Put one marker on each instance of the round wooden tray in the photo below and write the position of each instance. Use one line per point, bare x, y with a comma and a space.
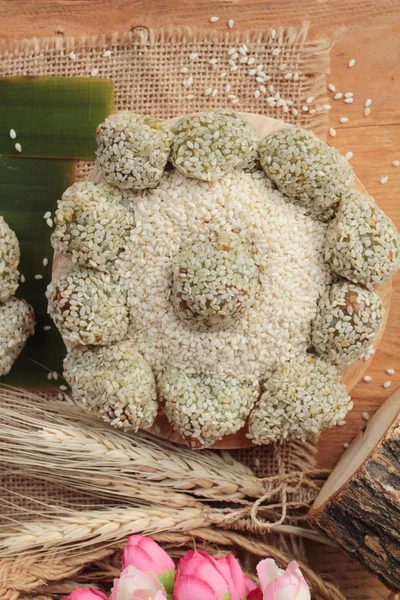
351, 375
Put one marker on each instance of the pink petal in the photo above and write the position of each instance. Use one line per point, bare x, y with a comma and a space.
231, 570
193, 588
267, 571
159, 596
249, 585
204, 567
161, 561
139, 558
86, 594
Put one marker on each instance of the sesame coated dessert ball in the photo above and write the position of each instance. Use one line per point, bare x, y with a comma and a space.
213, 284
204, 408
210, 144
9, 260
348, 320
304, 168
304, 396
133, 150
91, 228
362, 243
114, 382
88, 307
17, 323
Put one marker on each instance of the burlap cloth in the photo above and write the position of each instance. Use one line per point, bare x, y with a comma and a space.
146, 68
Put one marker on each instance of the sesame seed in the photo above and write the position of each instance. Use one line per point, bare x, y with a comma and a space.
47, 328
304, 108
348, 95
22, 278
332, 132
234, 68
396, 163
107, 53
367, 378
276, 52
223, 74
12, 134
189, 96
184, 69
213, 61
63, 388
49, 222
338, 96
368, 102
228, 87
349, 100
214, 19
208, 91
38, 276
45, 262
273, 34
341, 423
309, 99
352, 62
390, 371
215, 92
384, 180
18, 147
188, 82
94, 72
47, 215
288, 75
348, 155
387, 384
367, 111
49, 375
60, 396
235, 101
193, 55
365, 416
346, 445
331, 87
55, 375
326, 107
72, 55
343, 120
231, 23
257, 94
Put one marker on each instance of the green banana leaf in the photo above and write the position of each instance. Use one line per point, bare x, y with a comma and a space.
53, 117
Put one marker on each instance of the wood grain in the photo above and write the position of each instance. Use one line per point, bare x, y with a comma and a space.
373, 39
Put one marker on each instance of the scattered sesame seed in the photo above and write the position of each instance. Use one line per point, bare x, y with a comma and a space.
367, 378
47, 215
49, 222
365, 416
348, 95
215, 92
18, 147
276, 52
343, 120
45, 262
251, 61
228, 87
352, 62
94, 72
273, 34
387, 384
49, 375
22, 278
193, 56
214, 19
326, 107
384, 179
107, 53
257, 94
288, 75
208, 91
338, 96
396, 163
72, 55
188, 82
341, 423
368, 102
184, 70
231, 23
304, 108
367, 112
349, 100
332, 132
331, 87
223, 74
213, 61
12, 134
348, 155
235, 101
55, 375
189, 96
309, 99
60, 396
38, 276
63, 388
47, 328
346, 445
233, 68
390, 371
235, 56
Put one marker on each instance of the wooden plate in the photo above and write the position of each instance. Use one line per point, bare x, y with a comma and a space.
351, 375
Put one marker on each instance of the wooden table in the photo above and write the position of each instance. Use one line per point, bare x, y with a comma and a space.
372, 38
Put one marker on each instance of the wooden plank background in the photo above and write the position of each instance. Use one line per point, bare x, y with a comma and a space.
372, 38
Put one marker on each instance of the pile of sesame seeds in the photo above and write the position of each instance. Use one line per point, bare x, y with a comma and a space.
17, 323
9, 260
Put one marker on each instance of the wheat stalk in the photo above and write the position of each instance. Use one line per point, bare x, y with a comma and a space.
58, 441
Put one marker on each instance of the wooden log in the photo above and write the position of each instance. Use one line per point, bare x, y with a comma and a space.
359, 506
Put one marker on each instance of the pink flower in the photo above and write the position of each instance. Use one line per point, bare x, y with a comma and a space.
135, 585
277, 584
86, 594
199, 577
146, 555
239, 584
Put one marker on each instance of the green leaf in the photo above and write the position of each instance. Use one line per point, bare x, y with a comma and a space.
168, 579
53, 116
28, 189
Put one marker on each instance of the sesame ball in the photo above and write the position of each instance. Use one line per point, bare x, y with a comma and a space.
133, 150
304, 396
91, 228
115, 382
304, 168
88, 307
213, 284
9, 260
210, 144
17, 323
348, 319
362, 243
204, 408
